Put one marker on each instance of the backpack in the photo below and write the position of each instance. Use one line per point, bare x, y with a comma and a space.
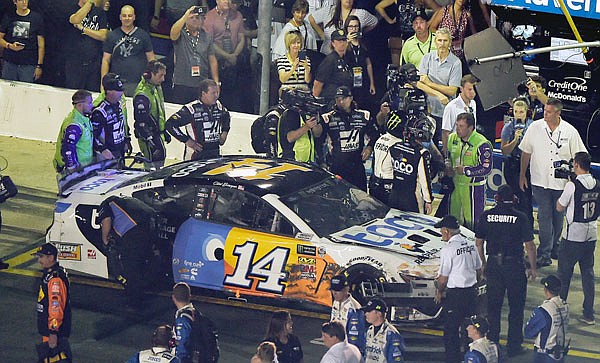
204, 339
263, 131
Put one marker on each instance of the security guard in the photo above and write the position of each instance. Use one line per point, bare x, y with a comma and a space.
548, 324
481, 350
460, 268
384, 343
162, 348
506, 229
347, 127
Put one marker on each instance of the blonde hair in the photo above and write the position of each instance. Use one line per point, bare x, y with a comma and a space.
291, 37
266, 351
443, 31
520, 104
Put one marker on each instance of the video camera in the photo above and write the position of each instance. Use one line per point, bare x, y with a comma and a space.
397, 77
563, 169
303, 102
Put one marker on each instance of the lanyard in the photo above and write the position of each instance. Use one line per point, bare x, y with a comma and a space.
428, 39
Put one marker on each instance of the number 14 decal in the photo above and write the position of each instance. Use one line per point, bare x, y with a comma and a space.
270, 269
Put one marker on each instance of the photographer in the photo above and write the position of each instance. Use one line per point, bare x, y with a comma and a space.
399, 82
547, 142
512, 134
347, 126
580, 199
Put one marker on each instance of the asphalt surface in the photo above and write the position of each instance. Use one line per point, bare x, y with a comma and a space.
104, 332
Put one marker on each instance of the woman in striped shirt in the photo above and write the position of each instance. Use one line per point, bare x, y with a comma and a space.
294, 68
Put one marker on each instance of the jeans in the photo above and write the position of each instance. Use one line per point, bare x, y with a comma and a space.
569, 254
550, 221
18, 72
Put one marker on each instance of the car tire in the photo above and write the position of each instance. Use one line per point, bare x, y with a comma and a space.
360, 273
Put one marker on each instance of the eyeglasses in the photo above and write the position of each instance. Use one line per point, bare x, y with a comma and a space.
353, 26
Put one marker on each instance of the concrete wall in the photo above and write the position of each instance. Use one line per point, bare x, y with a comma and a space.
35, 112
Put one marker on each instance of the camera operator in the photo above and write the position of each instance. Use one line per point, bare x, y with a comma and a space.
347, 127
550, 140
411, 190
298, 127
399, 82
580, 199
512, 134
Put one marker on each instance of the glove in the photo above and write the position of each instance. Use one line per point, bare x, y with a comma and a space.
166, 136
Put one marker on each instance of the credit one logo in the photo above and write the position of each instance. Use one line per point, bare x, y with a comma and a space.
569, 89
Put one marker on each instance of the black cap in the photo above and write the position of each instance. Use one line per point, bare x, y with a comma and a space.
47, 249
506, 193
419, 13
448, 221
375, 304
112, 82
552, 283
339, 34
343, 91
480, 323
338, 282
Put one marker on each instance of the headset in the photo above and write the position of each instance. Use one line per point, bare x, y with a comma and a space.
161, 334
153, 66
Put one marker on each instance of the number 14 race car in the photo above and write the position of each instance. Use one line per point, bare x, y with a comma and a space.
261, 227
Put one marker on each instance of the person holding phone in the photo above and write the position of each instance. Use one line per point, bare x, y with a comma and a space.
22, 36
362, 70
294, 68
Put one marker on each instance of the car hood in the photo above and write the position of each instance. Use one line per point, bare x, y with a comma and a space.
103, 181
400, 232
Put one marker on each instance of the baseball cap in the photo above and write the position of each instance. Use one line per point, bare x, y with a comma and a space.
112, 82
339, 34
47, 249
375, 304
480, 323
338, 282
419, 13
552, 283
448, 221
343, 91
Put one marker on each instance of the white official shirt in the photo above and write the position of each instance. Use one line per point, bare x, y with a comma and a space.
459, 260
578, 231
455, 108
342, 352
547, 147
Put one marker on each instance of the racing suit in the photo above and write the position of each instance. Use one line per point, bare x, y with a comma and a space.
483, 350
412, 178
184, 318
149, 125
468, 198
380, 183
548, 325
111, 131
74, 143
347, 132
154, 355
54, 307
384, 345
340, 309
204, 124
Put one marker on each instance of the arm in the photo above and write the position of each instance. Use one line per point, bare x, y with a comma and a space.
99, 34
432, 92
179, 24
40, 59
525, 158
380, 8
484, 162
105, 66
316, 27
150, 56
69, 146
368, 21
106, 225
442, 282
285, 76
308, 125
508, 147
445, 134
449, 91
531, 258
436, 20
536, 323
307, 75
425, 177
56, 308
183, 333
372, 89
479, 243
317, 88
240, 46
214, 67
79, 15
156, 17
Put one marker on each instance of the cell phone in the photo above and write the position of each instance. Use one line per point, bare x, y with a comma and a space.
302, 55
359, 35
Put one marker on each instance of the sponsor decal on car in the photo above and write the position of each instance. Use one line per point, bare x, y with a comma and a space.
306, 250
69, 251
91, 254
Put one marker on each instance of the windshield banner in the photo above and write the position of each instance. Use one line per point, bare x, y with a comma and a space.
577, 8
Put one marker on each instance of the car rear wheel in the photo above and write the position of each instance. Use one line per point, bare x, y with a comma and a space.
365, 282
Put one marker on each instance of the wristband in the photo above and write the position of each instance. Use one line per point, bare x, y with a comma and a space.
38, 66
155, 17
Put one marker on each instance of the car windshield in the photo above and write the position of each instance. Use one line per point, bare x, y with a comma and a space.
334, 205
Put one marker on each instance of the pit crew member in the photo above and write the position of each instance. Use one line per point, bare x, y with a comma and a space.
381, 182
346, 310
384, 343
481, 350
161, 352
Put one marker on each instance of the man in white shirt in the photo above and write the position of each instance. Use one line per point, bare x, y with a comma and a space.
546, 143
334, 338
465, 102
580, 199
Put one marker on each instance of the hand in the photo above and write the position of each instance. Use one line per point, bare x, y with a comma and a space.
533, 90
459, 169
312, 122
154, 23
438, 297
352, 36
52, 341
444, 100
425, 80
107, 155
384, 108
16, 47
232, 59
428, 208
523, 182
532, 274
366, 153
372, 89
518, 134
194, 145
37, 73
391, 21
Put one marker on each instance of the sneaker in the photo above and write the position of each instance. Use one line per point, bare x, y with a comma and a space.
544, 261
589, 321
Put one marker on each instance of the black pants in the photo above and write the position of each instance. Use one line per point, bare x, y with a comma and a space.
569, 254
82, 75
136, 252
506, 276
353, 173
459, 304
511, 174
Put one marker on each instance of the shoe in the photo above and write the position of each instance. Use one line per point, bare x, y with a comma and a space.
544, 261
513, 352
584, 319
554, 256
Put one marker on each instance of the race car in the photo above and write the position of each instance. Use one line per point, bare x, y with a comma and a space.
254, 226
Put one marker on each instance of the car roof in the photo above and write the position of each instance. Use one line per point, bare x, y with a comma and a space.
255, 174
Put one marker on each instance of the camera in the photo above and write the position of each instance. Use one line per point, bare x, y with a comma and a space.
302, 55
563, 169
303, 102
8, 189
398, 76
199, 10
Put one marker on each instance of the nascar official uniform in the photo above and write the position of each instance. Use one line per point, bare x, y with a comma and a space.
384, 344
347, 132
204, 124
412, 179
149, 125
505, 229
468, 198
110, 127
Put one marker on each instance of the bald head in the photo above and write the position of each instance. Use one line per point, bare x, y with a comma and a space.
127, 16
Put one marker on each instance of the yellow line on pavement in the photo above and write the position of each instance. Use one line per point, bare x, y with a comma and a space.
22, 258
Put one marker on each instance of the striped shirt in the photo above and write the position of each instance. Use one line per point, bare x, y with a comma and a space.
298, 77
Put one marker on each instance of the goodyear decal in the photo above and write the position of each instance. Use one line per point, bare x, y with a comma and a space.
69, 251
255, 169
